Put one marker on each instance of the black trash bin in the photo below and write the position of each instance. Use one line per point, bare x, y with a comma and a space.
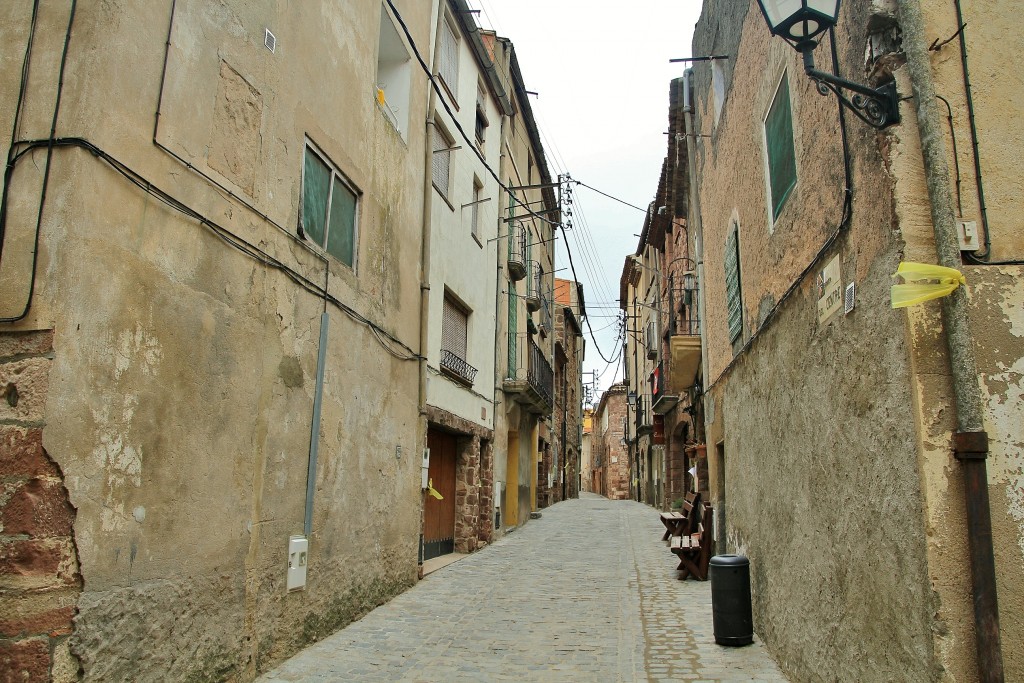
730, 600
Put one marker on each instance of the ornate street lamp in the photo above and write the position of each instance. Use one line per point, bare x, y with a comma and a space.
799, 22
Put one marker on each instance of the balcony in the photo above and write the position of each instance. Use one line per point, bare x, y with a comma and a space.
662, 399
684, 351
457, 368
644, 416
516, 251
534, 282
545, 315
529, 377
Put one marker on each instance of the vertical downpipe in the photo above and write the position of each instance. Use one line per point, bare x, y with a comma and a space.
314, 430
970, 442
428, 188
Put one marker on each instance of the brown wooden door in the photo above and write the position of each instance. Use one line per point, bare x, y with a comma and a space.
439, 515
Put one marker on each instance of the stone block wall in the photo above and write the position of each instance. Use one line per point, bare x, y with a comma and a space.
39, 578
614, 458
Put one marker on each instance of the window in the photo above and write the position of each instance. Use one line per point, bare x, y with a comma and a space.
481, 116
733, 286
393, 74
442, 160
454, 341
329, 208
478, 190
448, 66
718, 86
778, 136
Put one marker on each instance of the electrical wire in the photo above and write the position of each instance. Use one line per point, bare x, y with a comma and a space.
385, 338
12, 161
620, 201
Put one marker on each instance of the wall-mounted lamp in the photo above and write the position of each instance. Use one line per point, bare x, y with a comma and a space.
799, 22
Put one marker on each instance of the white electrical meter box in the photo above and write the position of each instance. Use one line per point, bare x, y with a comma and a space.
425, 470
298, 554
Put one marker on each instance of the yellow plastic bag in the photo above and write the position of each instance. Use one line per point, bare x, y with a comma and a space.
432, 491
923, 282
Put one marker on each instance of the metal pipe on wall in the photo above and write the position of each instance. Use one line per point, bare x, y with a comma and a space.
970, 443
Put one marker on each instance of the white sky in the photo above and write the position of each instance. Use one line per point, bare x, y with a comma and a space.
602, 73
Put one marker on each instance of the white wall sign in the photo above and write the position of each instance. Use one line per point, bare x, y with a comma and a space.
830, 290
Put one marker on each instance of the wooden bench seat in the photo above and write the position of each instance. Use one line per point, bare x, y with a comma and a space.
683, 521
694, 550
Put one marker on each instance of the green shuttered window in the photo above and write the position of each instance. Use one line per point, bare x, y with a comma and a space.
733, 289
778, 135
329, 208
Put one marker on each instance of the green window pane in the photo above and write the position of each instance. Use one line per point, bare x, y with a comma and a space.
342, 230
778, 131
316, 182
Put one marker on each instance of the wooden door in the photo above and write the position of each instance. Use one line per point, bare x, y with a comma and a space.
512, 482
439, 515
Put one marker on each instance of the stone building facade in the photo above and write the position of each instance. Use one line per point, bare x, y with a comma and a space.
608, 444
830, 415
560, 470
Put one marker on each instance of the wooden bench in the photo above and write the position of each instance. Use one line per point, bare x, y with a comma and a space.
694, 549
682, 522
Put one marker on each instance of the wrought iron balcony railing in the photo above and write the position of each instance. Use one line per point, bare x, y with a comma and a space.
534, 281
516, 251
529, 374
457, 367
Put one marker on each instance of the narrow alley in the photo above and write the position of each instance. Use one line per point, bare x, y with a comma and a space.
586, 593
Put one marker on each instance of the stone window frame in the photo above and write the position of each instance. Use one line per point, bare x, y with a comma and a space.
336, 178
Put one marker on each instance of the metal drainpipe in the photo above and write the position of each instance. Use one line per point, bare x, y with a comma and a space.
698, 230
499, 376
428, 187
970, 443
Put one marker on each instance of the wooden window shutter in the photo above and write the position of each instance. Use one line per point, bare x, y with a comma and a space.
778, 135
454, 326
449, 66
441, 161
733, 290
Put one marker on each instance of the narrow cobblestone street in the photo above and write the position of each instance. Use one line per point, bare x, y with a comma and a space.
586, 593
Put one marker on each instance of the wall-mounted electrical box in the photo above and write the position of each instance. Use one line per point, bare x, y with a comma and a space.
425, 470
967, 233
298, 556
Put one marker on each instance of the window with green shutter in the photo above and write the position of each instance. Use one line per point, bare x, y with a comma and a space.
778, 137
733, 287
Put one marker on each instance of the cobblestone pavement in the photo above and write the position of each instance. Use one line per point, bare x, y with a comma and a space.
586, 593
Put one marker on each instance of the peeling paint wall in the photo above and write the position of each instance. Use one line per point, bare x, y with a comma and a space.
181, 390
995, 295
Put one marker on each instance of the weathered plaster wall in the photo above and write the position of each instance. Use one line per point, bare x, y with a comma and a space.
812, 430
182, 383
995, 312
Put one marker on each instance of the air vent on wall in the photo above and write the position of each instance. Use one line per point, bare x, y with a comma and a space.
849, 298
270, 40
